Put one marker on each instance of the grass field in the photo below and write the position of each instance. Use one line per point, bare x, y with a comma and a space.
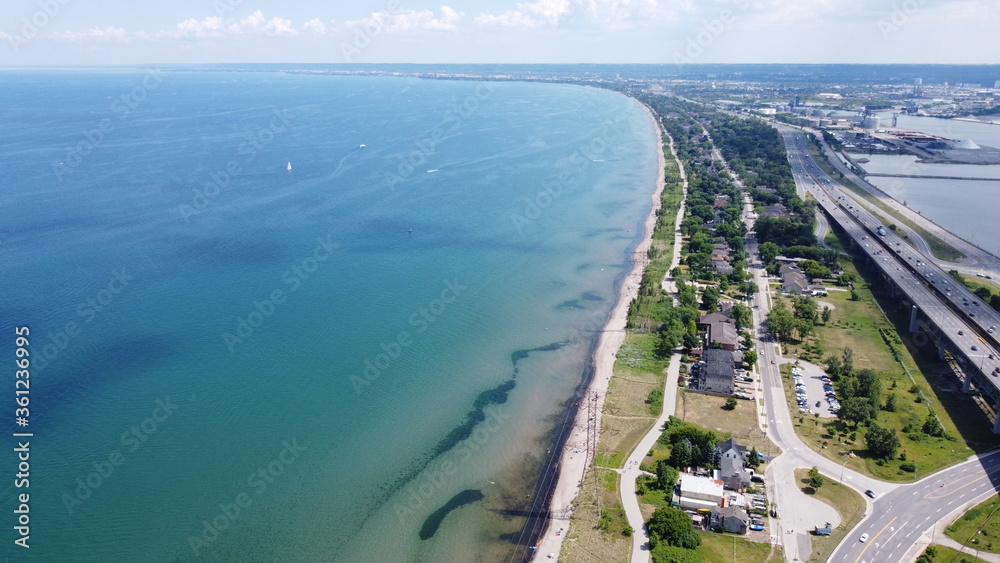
948, 555
921, 382
740, 423
979, 528
728, 547
846, 501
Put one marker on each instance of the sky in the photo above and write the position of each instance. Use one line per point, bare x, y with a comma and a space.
107, 32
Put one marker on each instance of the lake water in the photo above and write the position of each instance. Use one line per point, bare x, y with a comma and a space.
237, 362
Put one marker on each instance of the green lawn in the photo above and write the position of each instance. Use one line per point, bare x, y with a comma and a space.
949, 555
720, 547
933, 388
979, 528
846, 501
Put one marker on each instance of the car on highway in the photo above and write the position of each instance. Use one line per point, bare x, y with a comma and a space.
870, 493
975, 348
961, 333
863, 538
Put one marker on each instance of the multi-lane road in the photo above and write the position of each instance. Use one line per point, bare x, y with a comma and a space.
900, 514
962, 319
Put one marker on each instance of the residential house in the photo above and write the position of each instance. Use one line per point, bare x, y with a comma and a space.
718, 371
731, 519
793, 279
721, 329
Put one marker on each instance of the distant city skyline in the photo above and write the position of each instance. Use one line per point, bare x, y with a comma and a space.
66, 32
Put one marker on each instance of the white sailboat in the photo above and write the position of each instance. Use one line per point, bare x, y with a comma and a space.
289, 167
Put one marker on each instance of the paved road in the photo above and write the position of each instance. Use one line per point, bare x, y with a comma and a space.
924, 283
901, 516
977, 258
640, 536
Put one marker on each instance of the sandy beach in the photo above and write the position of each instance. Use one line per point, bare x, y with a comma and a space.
573, 465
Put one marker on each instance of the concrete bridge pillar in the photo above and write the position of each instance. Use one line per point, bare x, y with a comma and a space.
996, 425
967, 385
940, 350
914, 324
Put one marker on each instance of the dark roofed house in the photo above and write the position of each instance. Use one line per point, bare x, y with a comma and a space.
717, 375
734, 475
722, 267
731, 519
793, 280
776, 210
731, 449
721, 328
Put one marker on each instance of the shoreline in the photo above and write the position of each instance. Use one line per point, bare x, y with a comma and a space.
573, 467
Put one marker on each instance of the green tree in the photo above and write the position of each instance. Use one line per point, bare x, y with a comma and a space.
768, 252
710, 299
855, 409
890, 403
741, 314
855, 296
834, 366
848, 362
673, 527
680, 454
805, 308
730, 404
748, 288
753, 458
932, 426
750, 358
666, 475
881, 442
781, 322
815, 479
826, 314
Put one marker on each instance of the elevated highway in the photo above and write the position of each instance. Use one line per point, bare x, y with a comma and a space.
957, 320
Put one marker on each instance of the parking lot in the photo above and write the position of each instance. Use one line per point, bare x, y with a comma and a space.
814, 390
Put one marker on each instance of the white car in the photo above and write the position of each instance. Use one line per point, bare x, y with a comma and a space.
864, 538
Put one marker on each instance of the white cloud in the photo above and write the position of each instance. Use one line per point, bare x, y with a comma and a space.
107, 34
210, 27
532, 14
409, 20
315, 26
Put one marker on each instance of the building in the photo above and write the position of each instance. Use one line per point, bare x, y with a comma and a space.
718, 371
793, 280
733, 473
730, 449
720, 329
731, 519
699, 492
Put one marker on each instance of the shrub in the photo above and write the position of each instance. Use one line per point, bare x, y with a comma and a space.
909, 467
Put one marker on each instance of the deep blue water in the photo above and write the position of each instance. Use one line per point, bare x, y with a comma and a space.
232, 361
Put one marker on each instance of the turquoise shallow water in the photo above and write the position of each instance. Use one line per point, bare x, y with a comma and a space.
237, 362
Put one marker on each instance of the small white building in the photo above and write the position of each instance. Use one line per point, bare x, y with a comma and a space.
699, 492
